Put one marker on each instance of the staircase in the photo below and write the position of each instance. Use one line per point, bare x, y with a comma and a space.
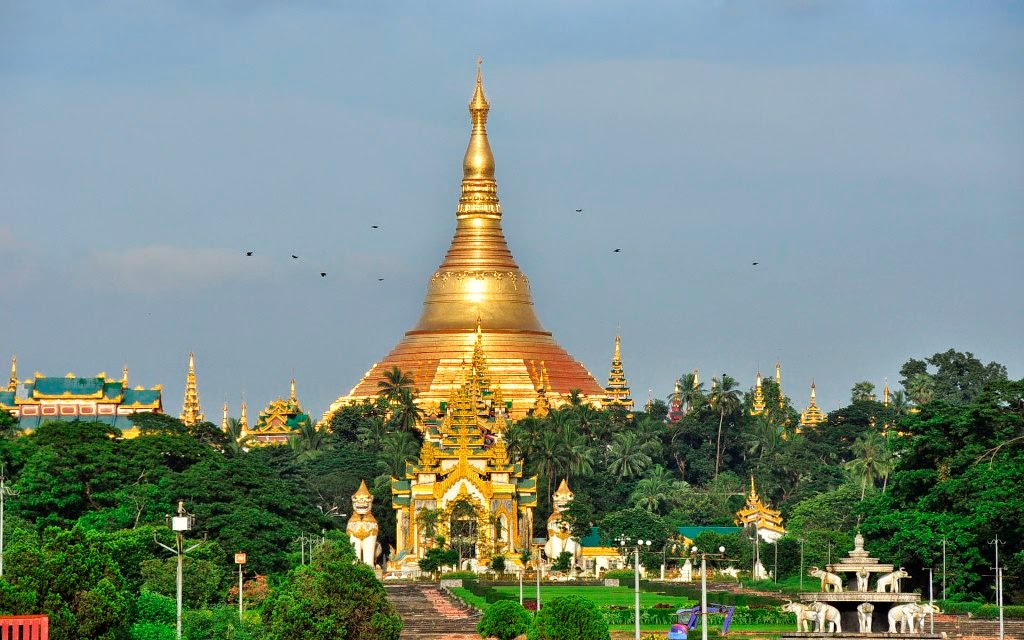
429, 614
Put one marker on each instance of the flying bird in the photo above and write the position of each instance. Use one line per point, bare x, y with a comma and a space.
375, 226
295, 256
579, 211
755, 263
380, 279
617, 251
323, 274
248, 253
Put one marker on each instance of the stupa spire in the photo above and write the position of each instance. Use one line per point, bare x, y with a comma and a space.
124, 377
224, 420
243, 419
617, 391
291, 395
812, 415
191, 412
12, 384
758, 406
885, 393
778, 383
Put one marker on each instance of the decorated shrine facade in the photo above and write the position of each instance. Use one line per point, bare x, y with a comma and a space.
280, 421
95, 398
765, 520
464, 476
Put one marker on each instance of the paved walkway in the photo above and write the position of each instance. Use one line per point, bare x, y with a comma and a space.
431, 615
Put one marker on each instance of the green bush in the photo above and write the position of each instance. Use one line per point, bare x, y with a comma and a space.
982, 610
151, 631
153, 607
570, 618
463, 575
618, 573
504, 620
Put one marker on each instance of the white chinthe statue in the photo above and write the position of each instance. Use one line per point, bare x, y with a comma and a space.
864, 613
892, 581
362, 526
829, 581
559, 534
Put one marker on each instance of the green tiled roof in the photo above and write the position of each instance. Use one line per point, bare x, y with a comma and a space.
140, 396
7, 398
72, 386
402, 501
111, 390
694, 531
401, 485
527, 484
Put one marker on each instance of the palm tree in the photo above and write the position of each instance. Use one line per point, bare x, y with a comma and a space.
397, 449
577, 451
655, 490
691, 393
862, 391
308, 440
407, 413
236, 439
394, 381
628, 455
575, 398
549, 455
921, 388
726, 398
764, 439
899, 403
371, 432
871, 460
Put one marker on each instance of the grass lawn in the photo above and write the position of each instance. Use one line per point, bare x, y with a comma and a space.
601, 596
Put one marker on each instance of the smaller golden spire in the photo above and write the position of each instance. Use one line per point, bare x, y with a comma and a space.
812, 415
191, 412
885, 393
12, 384
224, 420
753, 490
778, 383
124, 376
758, 406
243, 419
617, 391
292, 396
696, 380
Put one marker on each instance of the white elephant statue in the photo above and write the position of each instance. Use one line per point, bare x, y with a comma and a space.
829, 581
891, 580
862, 579
804, 616
922, 615
904, 615
827, 616
864, 614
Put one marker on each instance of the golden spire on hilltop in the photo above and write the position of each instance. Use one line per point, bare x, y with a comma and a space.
812, 415
885, 393
191, 412
124, 377
224, 420
767, 521
778, 383
617, 391
759, 405
696, 380
291, 394
243, 419
12, 384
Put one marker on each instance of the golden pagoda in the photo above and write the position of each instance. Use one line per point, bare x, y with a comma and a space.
758, 406
778, 383
766, 521
812, 415
885, 394
12, 384
617, 391
463, 460
479, 279
191, 413
280, 421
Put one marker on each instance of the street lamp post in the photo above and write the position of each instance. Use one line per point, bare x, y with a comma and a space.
931, 602
180, 522
999, 584
4, 492
801, 563
537, 567
240, 561
775, 571
636, 580
943, 568
704, 587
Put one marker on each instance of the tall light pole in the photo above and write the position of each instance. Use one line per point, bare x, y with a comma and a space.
4, 492
240, 561
999, 584
180, 522
775, 572
943, 568
704, 588
537, 565
623, 541
931, 602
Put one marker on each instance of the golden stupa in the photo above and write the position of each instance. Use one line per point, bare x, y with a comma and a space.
479, 282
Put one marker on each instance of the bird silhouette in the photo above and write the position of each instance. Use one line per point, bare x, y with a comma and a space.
617, 251
248, 253
380, 279
579, 211
755, 263
295, 256
323, 274
375, 226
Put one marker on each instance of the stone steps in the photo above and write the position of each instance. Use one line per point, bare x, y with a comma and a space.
430, 614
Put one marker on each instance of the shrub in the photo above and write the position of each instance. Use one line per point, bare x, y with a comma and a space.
563, 562
153, 607
498, 564
570, 618
618, 573
504, 620
151, 631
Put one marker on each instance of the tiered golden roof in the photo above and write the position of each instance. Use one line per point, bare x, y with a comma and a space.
479, 279
758, 514
191, 412
758, 406
778, 383
617, 391
12, 384
812, 415
281, 420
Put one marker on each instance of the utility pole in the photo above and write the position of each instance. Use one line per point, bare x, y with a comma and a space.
4, 492
999, 584
801, 563
240, 559
943, 568
181, 522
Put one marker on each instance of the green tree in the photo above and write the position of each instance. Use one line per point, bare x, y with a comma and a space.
725, 397
871, 460
629, 455
395, 381
656, 491
397, 449
505, 620
570, 618
862, 392
332, 597
959, 377
563, 562
921, 388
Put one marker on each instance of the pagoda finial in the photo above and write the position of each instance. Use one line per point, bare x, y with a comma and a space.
291, 395
479, 189
124, 376
617, 391
243, 419
753, 489
778, 383
758, 406
696, 379
885, 393
191, 412
224, 420
812, 415
12, 384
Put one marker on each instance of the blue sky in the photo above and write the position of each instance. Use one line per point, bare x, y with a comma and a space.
867, 154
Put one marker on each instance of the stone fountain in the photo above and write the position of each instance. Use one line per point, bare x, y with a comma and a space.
851, 607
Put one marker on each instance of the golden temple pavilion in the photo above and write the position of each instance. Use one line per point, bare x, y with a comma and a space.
479, 279
89, 398
281, 420
464, 460
812, 415
617, 391
766, 521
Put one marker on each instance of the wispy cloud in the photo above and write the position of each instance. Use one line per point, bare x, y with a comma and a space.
159, 268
